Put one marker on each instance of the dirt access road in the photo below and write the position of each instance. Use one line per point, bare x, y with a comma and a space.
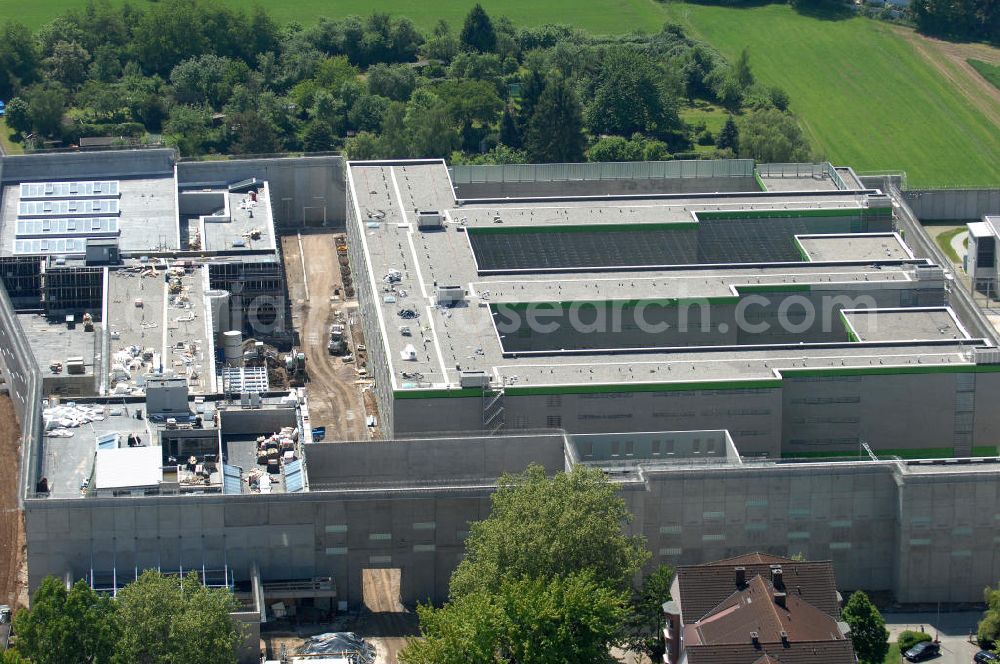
949, 59
335, 398
12, 572
385, 621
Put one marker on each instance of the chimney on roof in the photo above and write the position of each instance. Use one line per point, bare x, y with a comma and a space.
741, 577
780, 598
755, 639
784, 638
777, 578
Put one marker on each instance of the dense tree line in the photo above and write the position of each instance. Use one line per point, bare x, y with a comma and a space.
216, 80
962, 19
156, 619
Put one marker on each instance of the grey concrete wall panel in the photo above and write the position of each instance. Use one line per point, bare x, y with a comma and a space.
84, 165
255, 422
563, 189
888, 412
305, 191
420, 461
887, 526
953, 204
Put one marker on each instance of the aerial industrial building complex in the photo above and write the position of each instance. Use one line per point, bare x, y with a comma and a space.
798, 320
764, 358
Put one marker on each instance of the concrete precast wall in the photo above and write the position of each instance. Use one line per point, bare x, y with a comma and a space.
846, 514
24, 381
305, 191
257, 422
953, 204
87, 165
924, 534
419, 461
200, 203
563, 189
604, 178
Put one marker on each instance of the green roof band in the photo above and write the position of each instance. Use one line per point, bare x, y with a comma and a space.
663, 302
853, 213
501, 229
749, 384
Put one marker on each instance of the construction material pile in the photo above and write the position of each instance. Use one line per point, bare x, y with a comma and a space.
276, 449
61, 418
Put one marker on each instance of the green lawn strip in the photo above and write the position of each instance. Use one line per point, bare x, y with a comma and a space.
9, 146
944, 241
893, 656
988, 71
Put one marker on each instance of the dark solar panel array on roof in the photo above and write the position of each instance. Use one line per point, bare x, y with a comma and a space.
572, 249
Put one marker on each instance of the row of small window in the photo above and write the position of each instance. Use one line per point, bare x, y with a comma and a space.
656, 447
676, 551
417, 525
825, 401
379, 560
824, 420
755, 525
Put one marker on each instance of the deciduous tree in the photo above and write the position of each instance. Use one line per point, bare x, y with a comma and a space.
541, 527
631, 96
66, 627
868, 633
772, 136
164, 619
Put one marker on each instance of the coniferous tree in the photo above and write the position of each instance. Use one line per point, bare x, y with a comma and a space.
555, 130
729, 137
478, 33
510, 133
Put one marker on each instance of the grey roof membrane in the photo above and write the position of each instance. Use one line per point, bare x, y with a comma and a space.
437, 340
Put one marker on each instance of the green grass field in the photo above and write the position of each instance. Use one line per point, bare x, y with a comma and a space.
863, 94
9, 146
597, 16
990, 72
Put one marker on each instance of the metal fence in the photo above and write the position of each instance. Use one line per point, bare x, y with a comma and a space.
965, 204
639, 170
821, 170
24, 379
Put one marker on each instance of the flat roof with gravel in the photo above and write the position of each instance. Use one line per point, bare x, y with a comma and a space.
429, 345
147, 217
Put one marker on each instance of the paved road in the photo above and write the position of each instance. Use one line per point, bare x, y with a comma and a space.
952, 630
958, 244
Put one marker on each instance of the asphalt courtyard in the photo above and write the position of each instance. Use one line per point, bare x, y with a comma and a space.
952, 629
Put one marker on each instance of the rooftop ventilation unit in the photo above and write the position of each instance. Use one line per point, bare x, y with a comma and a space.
473, 379
449, 295
429, 220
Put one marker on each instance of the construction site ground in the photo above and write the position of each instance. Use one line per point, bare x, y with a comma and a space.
337, 396
13, 579
383, 621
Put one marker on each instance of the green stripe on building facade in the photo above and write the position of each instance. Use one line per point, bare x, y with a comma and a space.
632, 227
663, 302
749, 384
773, 288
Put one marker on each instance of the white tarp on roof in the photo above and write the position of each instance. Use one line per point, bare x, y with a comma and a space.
129, 467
